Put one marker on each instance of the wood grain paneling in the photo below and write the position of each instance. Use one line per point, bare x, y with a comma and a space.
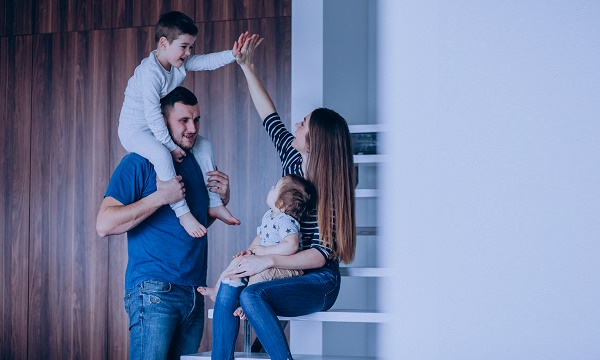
61, 92
15, 127
134, 13
210, 10
68, 262
71, 15
241, 145
15, 17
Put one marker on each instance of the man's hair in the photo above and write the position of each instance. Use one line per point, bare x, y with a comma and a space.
173, 24
296, 196
179, 94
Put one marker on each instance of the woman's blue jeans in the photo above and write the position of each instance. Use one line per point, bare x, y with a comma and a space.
165, 320
315, 291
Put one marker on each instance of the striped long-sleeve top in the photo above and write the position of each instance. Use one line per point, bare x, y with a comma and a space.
291, 161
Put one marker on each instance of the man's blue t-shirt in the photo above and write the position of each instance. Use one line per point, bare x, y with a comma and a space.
159, 248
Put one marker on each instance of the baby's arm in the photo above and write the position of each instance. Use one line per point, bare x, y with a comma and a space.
288, 246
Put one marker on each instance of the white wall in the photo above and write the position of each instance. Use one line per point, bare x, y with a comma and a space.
492, 206
333, 65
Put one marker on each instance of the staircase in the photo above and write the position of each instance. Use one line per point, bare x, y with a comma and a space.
307, 337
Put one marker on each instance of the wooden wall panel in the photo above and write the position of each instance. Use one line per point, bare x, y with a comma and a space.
134, 13
210, 10
15, 17
15, 127
71, 15
68, 267
241, 145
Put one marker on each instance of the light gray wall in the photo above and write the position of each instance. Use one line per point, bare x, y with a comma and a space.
341, 35
492, 199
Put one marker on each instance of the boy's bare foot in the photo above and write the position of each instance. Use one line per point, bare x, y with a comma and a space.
239, 312
208, 291
223, 214
191, 225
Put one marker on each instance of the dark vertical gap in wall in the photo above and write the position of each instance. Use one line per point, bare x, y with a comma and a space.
29, 197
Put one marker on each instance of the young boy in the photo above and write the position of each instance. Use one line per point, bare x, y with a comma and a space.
142, 127
278, 232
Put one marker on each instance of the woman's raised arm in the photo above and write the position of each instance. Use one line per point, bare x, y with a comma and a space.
245, 58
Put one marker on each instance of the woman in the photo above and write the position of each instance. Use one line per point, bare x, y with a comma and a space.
322, 153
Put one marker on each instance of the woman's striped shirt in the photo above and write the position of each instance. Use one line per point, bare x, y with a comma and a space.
291, 162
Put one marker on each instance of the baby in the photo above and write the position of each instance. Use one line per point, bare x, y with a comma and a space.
278, 233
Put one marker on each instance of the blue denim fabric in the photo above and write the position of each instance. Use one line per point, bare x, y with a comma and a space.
165, 320
315, 291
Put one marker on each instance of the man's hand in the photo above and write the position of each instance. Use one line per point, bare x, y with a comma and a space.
218, 182
178, 154
171, 191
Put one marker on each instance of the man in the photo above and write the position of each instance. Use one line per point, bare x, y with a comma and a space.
165, 264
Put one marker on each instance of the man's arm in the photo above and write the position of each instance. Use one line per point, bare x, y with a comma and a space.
114, 218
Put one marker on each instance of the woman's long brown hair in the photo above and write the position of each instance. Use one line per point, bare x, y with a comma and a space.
330, 167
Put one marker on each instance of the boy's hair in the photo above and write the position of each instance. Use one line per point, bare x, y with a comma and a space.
173, 24
179, 94
296, 196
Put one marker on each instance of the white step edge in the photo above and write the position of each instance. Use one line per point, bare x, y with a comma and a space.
241, 355
366, 193
366, 128
364, 271
366, 230
366, 159
351, 316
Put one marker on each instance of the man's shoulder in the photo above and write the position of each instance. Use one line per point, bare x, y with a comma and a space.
136, 162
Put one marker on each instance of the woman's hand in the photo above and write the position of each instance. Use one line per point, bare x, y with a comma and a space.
251, 265
245, 56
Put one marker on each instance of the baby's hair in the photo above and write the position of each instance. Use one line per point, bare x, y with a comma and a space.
172, 24
179, 94
296, 196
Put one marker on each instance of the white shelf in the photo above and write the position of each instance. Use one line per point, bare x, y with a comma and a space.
366, 128
351, 316
364, 271
367, 159
366, 193
241, 355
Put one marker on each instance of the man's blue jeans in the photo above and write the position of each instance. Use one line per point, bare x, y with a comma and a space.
165, 320
315, 291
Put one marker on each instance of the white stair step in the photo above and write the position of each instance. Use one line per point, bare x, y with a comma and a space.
364, 271
366, 193
366, 230
241, 355
367, 159
366, 128
351, 316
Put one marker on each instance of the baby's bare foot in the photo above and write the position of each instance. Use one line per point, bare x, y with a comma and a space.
208, 291
239, 312
191, 225
223, 214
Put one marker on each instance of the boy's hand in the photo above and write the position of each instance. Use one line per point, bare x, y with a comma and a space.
178, 154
